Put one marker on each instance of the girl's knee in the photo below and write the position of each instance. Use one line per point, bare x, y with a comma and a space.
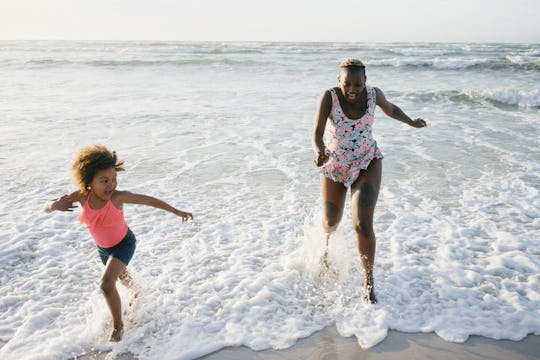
106, 285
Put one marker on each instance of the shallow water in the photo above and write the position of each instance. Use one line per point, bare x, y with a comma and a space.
224, 130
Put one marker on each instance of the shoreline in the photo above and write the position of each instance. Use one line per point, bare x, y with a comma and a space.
327, 344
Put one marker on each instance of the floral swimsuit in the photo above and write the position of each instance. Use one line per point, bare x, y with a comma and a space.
349, 143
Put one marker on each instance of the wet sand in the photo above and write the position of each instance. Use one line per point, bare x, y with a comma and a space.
329, 345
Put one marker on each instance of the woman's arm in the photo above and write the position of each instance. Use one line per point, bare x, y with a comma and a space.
127, 197
395, 112
323, 110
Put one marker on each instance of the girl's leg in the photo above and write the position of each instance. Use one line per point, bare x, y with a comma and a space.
364, 193
112, 271
333, 195
125, 278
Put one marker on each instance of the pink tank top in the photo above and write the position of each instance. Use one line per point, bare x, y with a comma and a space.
107, 225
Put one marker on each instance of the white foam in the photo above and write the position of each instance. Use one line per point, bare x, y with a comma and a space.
507, 96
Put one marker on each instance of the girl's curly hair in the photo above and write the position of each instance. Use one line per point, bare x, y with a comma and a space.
89, 161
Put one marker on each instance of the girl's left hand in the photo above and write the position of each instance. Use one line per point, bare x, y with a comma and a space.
418, 123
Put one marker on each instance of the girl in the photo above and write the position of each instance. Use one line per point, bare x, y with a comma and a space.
94, 171
349, 157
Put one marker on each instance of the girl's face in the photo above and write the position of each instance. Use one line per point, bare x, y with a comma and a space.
352, 83
104, 183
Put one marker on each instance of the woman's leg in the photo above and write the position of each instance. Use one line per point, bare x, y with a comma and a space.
112, 271
333, 195
364, 193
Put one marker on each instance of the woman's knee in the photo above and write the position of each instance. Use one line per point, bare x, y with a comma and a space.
332, 214
331, 223
363, 227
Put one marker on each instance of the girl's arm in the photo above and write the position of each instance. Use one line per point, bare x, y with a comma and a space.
395, 112
132, 198
323, 110
64, 203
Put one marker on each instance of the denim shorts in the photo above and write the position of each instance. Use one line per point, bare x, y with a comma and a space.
123, 251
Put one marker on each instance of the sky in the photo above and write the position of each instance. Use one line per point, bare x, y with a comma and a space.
273, 20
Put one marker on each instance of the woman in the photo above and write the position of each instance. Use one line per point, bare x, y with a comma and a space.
349, 157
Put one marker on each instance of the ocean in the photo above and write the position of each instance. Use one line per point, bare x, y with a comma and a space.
223, 129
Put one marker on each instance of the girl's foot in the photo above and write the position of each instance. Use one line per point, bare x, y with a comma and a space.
125, 279
133, 299
117, 333
132, 303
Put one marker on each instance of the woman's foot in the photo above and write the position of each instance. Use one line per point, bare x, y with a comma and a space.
117, 333
325, 263
326, 267
369, 292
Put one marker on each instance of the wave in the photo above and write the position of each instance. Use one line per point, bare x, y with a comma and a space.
500, 97
141, 63
218, 57
517, 62
416, 56
525, 61
511, 62
503, 97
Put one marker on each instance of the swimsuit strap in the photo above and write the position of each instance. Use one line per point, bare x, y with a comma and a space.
87, 202
335, 99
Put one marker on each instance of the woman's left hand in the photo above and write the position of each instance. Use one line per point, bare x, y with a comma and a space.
418, 123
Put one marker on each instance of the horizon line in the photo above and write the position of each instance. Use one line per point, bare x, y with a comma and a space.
280, 41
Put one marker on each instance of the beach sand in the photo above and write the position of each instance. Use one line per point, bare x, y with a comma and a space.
327, 344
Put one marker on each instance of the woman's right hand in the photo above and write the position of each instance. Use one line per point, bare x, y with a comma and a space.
320, 158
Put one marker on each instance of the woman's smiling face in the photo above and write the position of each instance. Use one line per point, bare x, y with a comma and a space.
351, 83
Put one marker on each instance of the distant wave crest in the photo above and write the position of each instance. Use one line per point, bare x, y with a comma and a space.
457, 63
504, 97
500, 97
141, 63
218, 58
445, 57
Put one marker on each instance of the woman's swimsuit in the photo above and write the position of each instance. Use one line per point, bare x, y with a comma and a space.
349, 143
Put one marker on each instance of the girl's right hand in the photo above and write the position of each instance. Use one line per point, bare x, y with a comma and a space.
320, 158
62, 204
